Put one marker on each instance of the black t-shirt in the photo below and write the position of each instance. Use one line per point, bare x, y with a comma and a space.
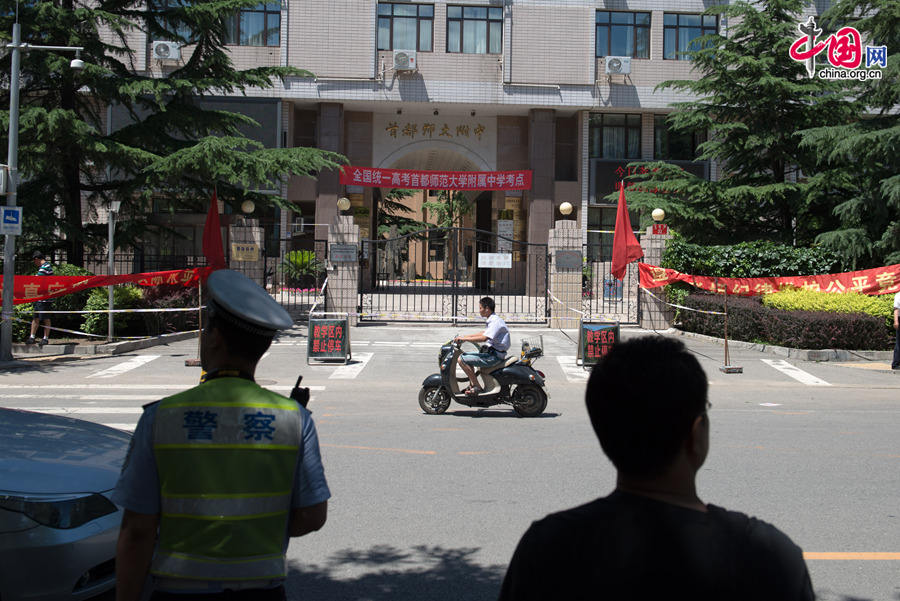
628, 547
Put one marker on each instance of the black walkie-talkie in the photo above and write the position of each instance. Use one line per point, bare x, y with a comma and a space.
301, 395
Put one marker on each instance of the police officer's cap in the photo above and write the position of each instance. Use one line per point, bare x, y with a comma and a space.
241, 302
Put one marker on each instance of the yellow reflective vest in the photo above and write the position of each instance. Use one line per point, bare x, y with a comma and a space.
226, 453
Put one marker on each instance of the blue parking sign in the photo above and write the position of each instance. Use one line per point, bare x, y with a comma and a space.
11, 220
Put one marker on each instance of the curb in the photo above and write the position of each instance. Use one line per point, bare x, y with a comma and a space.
791, 353
114, 348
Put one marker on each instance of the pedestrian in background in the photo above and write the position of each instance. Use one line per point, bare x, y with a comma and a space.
44, 268
653, 538
218, 477
895, 364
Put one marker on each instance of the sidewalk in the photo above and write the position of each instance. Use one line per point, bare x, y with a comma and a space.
27, 354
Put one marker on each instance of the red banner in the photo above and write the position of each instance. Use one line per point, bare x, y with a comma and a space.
435, 180
881, 280
30, 288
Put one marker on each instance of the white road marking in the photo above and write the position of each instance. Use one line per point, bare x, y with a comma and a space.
121, 368
277, 388
125, 427
574, 373
348, 372
795, 372
770, 404
84, 410
87, 397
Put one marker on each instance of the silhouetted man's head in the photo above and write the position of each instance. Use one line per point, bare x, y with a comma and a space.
643, 398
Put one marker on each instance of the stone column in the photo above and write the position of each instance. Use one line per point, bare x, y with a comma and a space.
542, 162
342, 292
655, 315
329, 136
247, 248
565, 283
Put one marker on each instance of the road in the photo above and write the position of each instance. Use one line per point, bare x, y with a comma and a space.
431, 507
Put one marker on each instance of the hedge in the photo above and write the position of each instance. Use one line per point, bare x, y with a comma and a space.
750, 320
757, 259
848, 302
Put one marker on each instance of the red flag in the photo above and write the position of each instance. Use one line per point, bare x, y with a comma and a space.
212, 236
626, 248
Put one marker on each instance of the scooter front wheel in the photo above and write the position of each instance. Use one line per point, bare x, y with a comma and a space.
434, 400
529, 400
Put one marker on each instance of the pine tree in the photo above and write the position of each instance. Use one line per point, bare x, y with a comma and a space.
173, 149
392, 211
752, 98
860, 161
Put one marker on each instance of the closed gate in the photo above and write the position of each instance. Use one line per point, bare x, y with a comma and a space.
440, 274
603, 297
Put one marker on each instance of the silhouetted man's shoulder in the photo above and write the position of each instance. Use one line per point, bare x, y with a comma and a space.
626, 546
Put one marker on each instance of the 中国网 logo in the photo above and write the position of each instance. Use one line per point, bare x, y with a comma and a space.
845, 53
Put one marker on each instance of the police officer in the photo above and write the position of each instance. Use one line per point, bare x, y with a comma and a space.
220, 476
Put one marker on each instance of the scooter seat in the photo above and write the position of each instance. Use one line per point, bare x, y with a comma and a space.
506, 363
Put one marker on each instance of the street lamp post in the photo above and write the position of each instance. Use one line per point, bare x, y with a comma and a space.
113, 210
9, 247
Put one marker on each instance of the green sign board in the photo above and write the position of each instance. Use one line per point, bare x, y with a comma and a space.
596, 340
328, 339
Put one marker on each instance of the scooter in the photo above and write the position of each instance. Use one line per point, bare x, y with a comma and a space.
512, 382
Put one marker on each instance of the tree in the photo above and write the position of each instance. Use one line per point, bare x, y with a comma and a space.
752, 99
860, 161
173, 147
392, 211
449, 209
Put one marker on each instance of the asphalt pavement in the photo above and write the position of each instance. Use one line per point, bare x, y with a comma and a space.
431, 507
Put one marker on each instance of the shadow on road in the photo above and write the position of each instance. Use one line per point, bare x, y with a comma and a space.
495, 413
384, 572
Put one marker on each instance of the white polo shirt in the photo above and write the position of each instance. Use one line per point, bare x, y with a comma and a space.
497, 333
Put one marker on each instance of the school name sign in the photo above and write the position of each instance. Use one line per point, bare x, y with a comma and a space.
436, 180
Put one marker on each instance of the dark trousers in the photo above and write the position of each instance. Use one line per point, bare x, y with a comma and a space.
896, 363
250, 594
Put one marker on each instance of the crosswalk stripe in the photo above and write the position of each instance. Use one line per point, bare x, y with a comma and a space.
795, 372
348, 372
123, 367
574, 373
84, 410
87, 397
277, 388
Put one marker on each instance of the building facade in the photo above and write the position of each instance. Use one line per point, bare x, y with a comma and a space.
565, 88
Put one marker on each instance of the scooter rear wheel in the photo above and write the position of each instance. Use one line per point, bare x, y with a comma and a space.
434, 400
529, 400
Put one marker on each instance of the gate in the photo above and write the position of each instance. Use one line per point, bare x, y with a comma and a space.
439, 274
603, 297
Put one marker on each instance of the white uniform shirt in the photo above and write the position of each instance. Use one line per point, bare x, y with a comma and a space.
497, 333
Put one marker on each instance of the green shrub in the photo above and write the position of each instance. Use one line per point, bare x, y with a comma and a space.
124, 324
749, 319
169, 296
756, 259
848, 302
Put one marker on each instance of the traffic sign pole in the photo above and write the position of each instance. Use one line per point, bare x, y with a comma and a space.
9, 248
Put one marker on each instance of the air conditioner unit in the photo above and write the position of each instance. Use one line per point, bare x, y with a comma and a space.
404, 60
166, 51
618, 65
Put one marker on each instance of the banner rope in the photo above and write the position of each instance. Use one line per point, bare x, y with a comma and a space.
681, 306
76, 332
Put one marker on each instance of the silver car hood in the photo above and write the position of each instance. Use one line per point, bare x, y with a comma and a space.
52, 454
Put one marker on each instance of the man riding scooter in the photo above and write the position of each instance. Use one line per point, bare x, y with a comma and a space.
496, 335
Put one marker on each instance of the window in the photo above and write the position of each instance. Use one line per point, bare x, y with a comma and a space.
257, 26
566, 149
669, 145
475, 29
680, 31
623, 34
175, 26
615, 136
405, 26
